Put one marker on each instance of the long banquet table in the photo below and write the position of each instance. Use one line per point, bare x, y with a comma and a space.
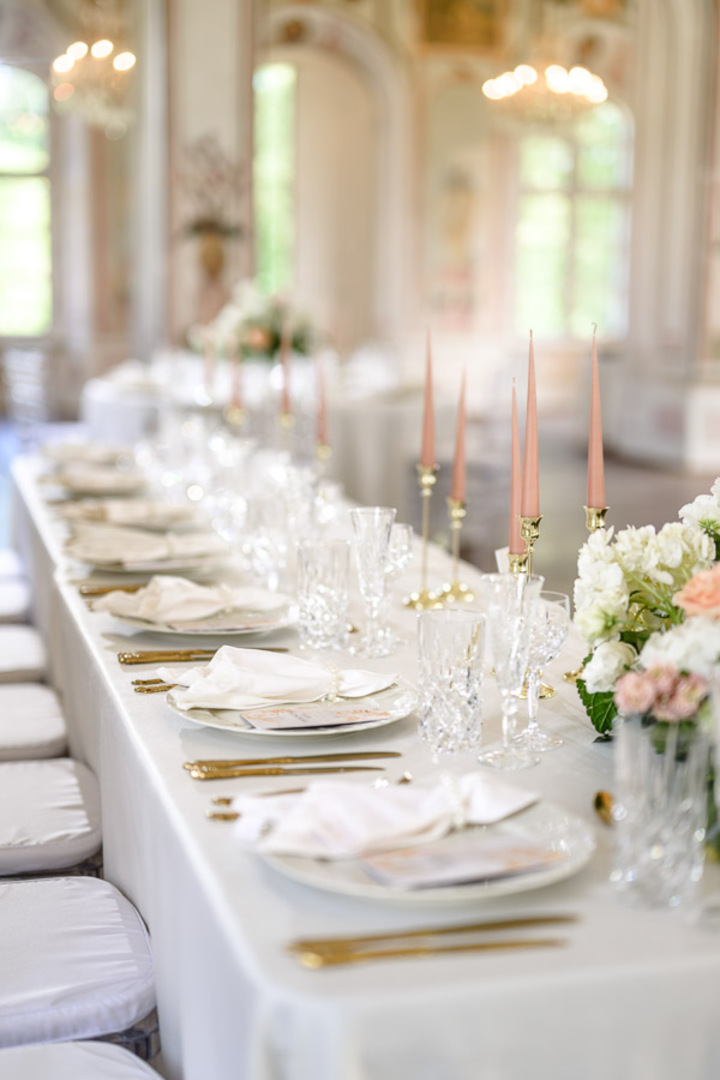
632, 996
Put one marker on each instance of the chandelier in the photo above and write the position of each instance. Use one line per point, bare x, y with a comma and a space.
92, 75
542, 89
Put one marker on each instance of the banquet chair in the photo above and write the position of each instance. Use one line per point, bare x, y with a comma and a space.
23, 657
76, 964
49, 817
73, 1061
32, 724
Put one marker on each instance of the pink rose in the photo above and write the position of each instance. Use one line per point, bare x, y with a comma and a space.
690, 692
701, 595
664, 677
634, 693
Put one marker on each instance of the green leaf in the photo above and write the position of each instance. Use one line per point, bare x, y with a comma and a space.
599, 707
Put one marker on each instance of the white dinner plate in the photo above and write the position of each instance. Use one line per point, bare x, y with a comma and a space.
185, 565
569, 836
375, 710
110, 483
145, 514
225, 622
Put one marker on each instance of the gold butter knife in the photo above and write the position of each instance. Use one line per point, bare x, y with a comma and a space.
103, 590
492, 926
158, 656
289, 759
278, 770
313, 959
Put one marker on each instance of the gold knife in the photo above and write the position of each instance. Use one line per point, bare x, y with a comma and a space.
313, 959
288, 759
495, 925
176, 655
279, 770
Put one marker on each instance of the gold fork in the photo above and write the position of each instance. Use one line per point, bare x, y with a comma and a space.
313, 959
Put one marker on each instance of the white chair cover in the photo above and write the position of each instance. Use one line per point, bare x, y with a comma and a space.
22, 654
14, 600
76, 961
32, 724
49, 816
73, 1061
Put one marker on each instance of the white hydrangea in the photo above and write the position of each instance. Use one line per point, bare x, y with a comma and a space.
608, 663
633, 549
693, 645
703, 508
679, 551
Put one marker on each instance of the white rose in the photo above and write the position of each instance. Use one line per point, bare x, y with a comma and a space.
594, 624
608, 663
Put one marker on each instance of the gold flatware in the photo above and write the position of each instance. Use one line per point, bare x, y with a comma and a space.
493, 926
159, 689
227, 800
289, 759
603, 806
313, 959
222, 815
146, 682
157, 656
278, 770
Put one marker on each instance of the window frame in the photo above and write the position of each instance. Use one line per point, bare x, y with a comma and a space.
620, 195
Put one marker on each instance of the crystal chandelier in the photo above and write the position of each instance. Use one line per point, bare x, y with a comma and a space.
92, 75
540, 88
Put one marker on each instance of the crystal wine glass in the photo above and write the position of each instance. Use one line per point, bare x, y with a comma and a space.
509, 603
548, 634
371, 530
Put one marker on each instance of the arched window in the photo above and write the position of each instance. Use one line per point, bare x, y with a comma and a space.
274, 175
573, 227
25, 247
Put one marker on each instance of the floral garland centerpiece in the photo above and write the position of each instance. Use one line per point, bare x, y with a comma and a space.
257, 323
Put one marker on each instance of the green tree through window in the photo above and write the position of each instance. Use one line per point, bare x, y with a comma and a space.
274, 176
25, 249
573, 227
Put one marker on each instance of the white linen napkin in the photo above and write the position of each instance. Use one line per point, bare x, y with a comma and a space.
336, 819
170, 599
108, 543
99, 478
253, 679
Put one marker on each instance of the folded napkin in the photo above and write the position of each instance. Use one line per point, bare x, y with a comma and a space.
253, 679
335, 819
144, 513
108, 543
99, 478
170, 599
85, 452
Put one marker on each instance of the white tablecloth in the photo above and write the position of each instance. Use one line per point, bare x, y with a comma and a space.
633, 996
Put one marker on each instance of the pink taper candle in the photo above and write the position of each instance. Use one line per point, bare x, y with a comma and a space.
285, 407
530, 500
427, 450
596, 468
457, 488
235, 356
516, 544
322, 435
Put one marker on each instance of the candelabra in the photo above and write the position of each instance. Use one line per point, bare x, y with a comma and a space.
424, 599
456, 591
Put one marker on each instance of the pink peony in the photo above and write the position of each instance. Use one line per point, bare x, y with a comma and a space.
701, 595
635, 693
664, 677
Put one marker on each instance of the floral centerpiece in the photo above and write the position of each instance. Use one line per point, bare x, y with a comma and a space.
256, 324
648, 605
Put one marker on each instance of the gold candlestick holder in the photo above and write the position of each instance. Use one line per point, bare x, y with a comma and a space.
456, 591
595, 517
425, 599
235, 416
530, 531
518, 562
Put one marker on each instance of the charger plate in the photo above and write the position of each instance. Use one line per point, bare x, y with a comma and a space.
239, 621
327, 718
570, 837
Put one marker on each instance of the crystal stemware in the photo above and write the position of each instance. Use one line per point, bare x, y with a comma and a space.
509, 602
548, 634
371, 531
